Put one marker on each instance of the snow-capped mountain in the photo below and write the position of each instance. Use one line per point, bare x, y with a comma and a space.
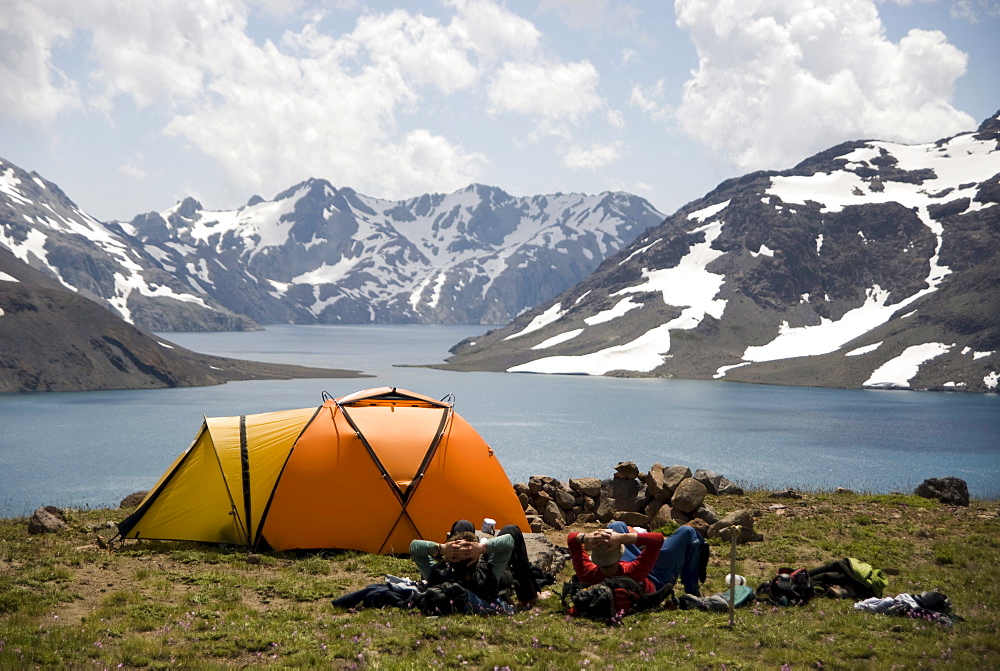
316, 253
43, 228
870, 264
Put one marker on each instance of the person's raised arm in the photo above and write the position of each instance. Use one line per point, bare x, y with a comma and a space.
424, 553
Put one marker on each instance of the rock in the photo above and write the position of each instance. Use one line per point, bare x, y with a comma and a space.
632, 519
656, 483
786, 494
675, 475
587, 486
543, 554
535, 523
707, 513
47, 520
521, 488
679, 516
688, 496
842, 490
564, 499
536, 483
626, 470
717, 484
741, 518
700, 526
586, 518
553, 515
661, 518
652, 508
729, 488
133, 500
948, 490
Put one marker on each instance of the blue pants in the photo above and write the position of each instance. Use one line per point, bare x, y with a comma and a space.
679, 557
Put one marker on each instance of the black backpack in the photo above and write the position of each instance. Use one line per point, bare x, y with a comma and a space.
445, 598
610, 599
790, 587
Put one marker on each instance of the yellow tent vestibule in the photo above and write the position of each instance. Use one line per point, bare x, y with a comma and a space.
370, 471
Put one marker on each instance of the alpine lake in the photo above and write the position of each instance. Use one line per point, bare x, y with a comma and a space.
91, 449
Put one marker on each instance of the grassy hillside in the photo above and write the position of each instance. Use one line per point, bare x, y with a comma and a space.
67, 603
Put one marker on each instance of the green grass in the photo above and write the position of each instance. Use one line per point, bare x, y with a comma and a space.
64, 603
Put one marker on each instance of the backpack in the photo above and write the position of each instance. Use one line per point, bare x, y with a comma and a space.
849, 577
611, 598
787, 588
445, 598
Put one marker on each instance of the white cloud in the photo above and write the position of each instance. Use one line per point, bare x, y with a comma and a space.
597, 156
650, 100
555, 92
779, 79
975, 11
31, 88
269, 113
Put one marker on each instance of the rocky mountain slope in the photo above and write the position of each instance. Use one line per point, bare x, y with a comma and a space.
53, 339
871, 264
43, 228
317, 254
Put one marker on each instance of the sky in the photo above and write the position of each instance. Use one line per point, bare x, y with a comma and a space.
131, 107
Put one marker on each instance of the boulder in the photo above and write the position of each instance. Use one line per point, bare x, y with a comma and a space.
543, 554
564, 499
626, 470
656, 483
948, 490
679, 516
707, 513
789, 493
716, 484
536, 483
47, 520
133, 500
521, 488
632, 519
660, 518
700, 526
587, 486
688, 496
674, 475
724, 527
553, 515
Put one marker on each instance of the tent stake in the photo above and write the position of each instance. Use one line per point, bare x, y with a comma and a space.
733, 532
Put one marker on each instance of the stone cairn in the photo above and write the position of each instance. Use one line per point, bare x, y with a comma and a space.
649, 500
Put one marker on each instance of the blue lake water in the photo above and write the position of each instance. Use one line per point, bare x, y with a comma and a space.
94, 448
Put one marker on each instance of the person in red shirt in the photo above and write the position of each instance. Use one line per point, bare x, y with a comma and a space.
597, 555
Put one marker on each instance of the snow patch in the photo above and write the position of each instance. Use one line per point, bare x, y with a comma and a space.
707, 212
4, 277
898, 372
556, 339
829, 336
864, 350
623, 306
724, 369
540, 321
991, 380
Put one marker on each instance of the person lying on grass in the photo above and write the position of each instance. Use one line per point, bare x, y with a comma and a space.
486, 567
683, 555
598, 555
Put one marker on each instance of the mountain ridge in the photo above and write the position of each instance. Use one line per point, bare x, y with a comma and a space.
776, 276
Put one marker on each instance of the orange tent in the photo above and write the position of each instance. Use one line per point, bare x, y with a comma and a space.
370, 471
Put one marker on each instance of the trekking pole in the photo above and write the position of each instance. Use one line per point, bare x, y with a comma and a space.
734, 531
